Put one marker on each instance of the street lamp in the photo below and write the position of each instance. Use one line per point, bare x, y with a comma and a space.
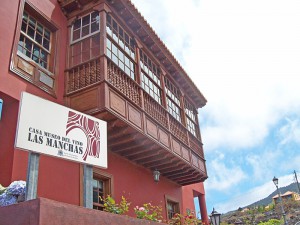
275, 181
215, 217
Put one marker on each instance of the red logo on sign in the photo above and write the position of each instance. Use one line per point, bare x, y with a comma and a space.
91, 130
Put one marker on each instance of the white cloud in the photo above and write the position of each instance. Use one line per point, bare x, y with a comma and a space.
253, 195
225, 176
290, 132
263, 164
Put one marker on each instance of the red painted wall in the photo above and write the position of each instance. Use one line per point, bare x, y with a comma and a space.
7, 137
138, 185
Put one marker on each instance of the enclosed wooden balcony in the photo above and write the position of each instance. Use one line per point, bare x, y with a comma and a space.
139, 128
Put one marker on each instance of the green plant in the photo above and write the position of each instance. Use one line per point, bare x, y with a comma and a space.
2, 189
188, 219
149, 212
111, 206
271, 222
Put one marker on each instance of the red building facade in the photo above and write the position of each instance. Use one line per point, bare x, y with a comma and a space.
102, 58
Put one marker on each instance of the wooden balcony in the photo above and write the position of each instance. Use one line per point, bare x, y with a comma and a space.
139, 128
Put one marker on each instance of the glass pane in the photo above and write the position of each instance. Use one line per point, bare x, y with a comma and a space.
121, 43
121, 56
35, 59
86, 20
108, 43
32, 22
25, 16
121, 65
100, 183
38, 38
20, 47
127, 50
126, 61
43, 55
28, 44
94, 27
85, 31
28, 53
95, 183
115, 26
40, 28
95, 17
44, 64
30, 32
109, 31
36, 51
126, 38
115, 59
46, 44
114, 49
120, 32
77, 24
24, 25
95, 197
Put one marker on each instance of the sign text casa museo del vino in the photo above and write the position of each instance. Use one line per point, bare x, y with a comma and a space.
48, 128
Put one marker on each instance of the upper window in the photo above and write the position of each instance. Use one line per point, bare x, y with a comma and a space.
190, 112
117, 33
85, 40
86, 26
120, 47
150, 77
34, 40
173, 100
35, 44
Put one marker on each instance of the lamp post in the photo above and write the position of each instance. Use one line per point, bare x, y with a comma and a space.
215, 217
275, 181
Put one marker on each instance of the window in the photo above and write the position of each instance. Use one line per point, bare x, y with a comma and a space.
172, 208
124, 41
86, 26
34, 40
173, 100
120, 47
101, 188
85, 40
150, 77
190, 112
120, 59
33, 56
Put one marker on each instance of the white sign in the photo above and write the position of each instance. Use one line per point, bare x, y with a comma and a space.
48, 128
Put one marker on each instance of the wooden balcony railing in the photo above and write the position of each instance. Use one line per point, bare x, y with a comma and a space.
196, 145
83, 75
123, 83
155, 110
178, 130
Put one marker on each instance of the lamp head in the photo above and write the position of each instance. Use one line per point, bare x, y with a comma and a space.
156, 175
215, 217
275, 181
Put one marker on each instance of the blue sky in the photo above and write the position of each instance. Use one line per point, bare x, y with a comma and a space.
244, 56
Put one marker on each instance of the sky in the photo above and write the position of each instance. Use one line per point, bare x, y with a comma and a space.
244, 56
